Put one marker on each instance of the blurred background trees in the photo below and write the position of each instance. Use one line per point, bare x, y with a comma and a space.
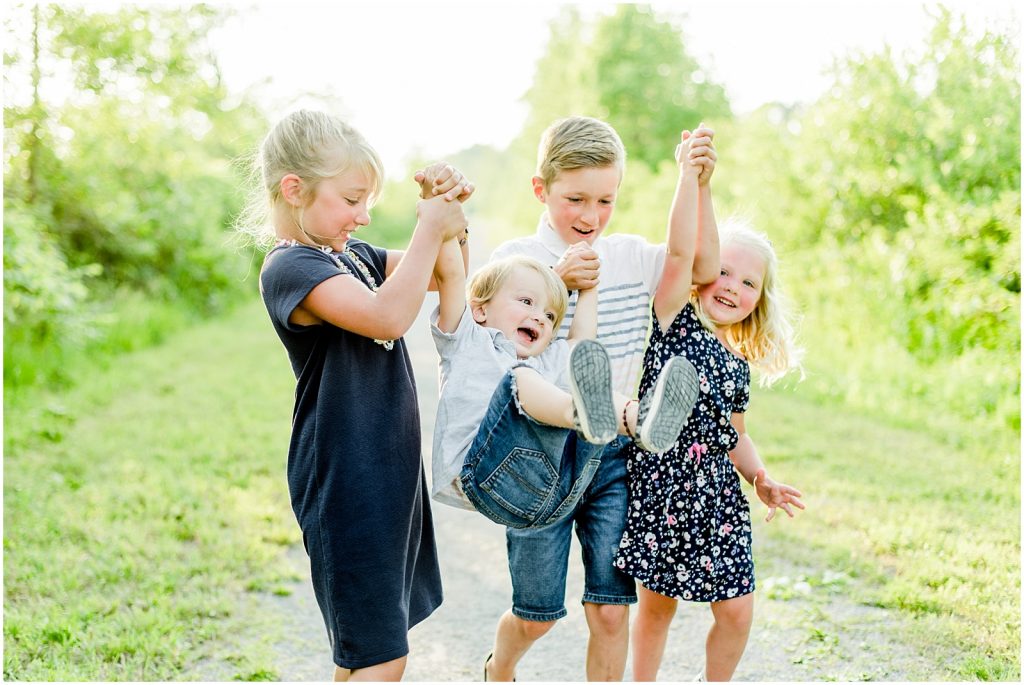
118, 191
894, 200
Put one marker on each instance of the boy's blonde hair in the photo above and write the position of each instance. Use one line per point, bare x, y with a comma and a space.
314, 146
493, 275
767, 337
578, 143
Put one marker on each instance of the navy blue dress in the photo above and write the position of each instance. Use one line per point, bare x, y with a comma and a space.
355, 472
688, 528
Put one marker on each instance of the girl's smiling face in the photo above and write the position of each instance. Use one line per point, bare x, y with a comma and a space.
735, 293
580, 201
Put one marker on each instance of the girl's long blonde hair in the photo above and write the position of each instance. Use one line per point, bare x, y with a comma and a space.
312, 145
767, 337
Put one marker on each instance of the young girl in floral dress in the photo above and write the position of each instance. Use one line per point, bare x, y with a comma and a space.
688, 530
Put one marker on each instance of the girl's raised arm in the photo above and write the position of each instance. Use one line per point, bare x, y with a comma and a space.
388, 312
680, 245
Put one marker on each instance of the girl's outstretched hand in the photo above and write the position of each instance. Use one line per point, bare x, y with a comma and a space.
441, 178
776, 495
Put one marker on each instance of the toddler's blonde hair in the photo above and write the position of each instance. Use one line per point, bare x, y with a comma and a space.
578, 143
490, 278
314, 146
767, 337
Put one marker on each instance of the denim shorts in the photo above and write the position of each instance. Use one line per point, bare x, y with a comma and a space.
538, 558
524, 474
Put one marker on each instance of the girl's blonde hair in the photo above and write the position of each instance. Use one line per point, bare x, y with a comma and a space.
314, 146
767, 337
492, 276
578, 143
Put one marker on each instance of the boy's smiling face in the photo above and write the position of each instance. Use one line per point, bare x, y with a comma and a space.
520, 309
580, 201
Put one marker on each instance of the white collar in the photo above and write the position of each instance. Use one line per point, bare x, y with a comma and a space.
549, 239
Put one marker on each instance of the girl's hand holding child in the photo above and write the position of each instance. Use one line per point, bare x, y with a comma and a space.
445, 217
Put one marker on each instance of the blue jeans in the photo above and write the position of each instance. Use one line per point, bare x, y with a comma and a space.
538, 559
524, 474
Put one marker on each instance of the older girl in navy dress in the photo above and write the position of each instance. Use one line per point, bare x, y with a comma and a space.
340, 307
687, 532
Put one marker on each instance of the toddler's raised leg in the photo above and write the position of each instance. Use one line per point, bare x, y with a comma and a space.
664, 409
590, 381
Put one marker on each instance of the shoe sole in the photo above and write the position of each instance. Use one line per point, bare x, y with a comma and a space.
672, 400
590, 383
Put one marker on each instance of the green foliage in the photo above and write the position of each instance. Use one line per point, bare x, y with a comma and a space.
126, 184
630, 69
647, 86
916, 253
563, 83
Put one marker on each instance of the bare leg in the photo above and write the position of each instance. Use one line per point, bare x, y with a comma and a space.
547, 403
650, 632
609, 641
512, 640
389, 671
542, 400
728, 636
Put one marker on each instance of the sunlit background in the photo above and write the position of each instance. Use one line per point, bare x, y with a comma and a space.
877, 144
433, 78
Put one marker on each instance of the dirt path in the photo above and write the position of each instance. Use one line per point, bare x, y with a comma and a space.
806, 628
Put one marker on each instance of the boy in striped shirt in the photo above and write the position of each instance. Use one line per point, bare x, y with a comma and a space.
580, 166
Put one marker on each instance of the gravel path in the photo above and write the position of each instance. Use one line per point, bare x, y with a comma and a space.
806, 628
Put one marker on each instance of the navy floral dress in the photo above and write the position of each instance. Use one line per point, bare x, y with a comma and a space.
687, 532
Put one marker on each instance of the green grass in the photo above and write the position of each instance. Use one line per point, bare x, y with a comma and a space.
930, 524
142, 506
139, 506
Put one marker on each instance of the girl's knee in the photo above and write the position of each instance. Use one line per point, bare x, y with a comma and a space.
657, 607
735, 613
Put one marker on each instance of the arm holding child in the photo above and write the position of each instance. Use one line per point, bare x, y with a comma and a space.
584, 320
680, 245
706, 260
440, 180
387, 312
450, 277
579, 267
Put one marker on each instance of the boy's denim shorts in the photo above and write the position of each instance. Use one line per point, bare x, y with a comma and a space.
538, 558
524, 474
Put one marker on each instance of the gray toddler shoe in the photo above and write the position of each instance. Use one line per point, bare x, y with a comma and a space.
590, 382
664, 409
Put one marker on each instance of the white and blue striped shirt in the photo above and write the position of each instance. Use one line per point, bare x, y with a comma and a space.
630, 270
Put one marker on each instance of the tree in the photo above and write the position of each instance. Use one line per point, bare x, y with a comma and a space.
648, 87
119, 139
